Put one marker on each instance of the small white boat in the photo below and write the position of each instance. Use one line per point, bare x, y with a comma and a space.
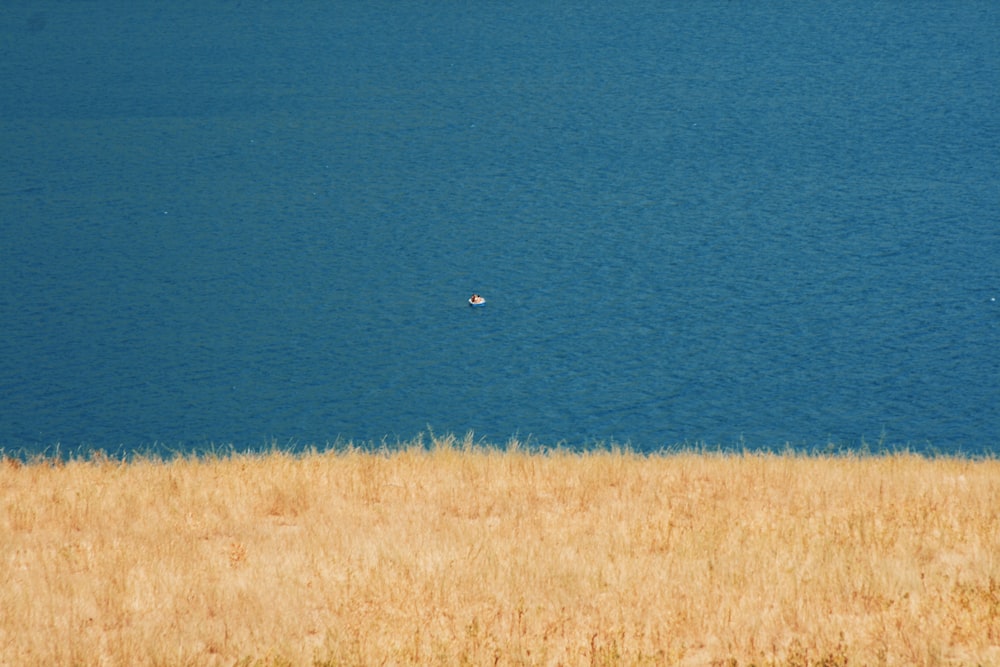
476, 300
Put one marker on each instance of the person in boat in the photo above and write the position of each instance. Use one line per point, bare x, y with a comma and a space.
475, 298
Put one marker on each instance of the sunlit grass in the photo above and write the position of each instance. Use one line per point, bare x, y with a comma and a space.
458, 553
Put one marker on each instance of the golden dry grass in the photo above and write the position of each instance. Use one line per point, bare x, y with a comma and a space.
462, 554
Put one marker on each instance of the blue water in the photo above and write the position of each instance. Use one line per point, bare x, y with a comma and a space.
740, 224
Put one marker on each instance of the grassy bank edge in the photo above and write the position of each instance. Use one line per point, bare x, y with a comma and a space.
429, 442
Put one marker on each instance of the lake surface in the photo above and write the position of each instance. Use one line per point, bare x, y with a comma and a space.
740, 224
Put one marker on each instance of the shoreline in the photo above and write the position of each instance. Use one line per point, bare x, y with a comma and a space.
157, 452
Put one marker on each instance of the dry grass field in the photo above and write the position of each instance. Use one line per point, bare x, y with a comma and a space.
456, 553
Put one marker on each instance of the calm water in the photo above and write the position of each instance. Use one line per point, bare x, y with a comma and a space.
743, 224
